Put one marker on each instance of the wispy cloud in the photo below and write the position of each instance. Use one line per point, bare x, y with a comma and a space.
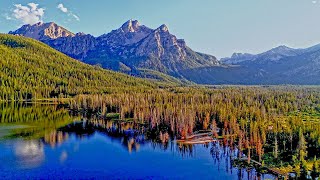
76, 17
29, 14
314, 2
66, 10
62, 8
7, 17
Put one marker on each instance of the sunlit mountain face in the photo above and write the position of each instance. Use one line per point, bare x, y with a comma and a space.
128, 48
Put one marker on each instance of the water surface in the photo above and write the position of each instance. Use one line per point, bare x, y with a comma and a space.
48, 142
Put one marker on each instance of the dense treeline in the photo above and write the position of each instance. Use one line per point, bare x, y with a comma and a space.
33, 121
32, 70
278, 126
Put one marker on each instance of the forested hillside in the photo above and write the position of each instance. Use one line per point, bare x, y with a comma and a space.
30, 69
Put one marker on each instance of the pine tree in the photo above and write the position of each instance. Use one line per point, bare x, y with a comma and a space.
315, 166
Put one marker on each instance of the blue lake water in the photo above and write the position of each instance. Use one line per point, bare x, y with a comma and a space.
82, 150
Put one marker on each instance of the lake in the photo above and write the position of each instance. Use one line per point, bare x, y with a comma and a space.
52, 142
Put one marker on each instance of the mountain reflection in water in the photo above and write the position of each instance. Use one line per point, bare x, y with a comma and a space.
29, 153
106, 149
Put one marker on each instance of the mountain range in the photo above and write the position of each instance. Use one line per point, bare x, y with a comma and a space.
128, 48
137, 49
281, 65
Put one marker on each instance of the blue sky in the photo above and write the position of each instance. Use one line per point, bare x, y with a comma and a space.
217, 27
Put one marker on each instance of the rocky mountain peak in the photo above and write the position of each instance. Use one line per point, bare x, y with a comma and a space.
235, 55
237, 58
129, 33
43, 31
81, 34
54, 31
281, 49
130, 26
37, 24
278, 53
163, 28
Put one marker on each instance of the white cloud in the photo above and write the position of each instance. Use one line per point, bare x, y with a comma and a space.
29, 14
7, 17
76, 17
69, 13
33, 6
62, 8
314, 2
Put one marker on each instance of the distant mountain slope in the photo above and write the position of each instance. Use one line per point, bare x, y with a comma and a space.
132, 46
270, 56
31, 69
280, 65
